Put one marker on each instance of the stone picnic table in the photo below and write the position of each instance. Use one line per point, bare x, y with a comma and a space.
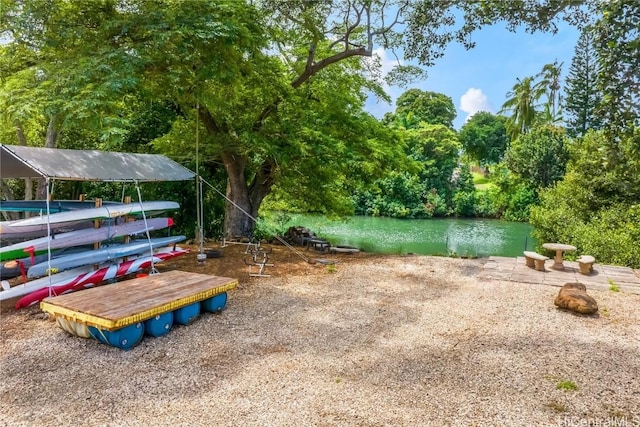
560, 248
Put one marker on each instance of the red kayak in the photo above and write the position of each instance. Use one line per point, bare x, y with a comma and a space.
95, 277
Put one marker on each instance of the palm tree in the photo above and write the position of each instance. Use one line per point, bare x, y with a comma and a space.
550, 84
521, 103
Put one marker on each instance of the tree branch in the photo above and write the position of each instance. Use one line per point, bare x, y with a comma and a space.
209, 123
263, 181
351, 49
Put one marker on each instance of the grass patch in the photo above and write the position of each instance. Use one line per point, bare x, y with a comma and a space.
613, 286
481, 182
566, 385
480, 179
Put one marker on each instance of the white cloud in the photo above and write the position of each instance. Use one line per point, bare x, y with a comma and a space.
473, 101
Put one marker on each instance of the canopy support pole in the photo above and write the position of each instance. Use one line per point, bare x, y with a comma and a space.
146, 227
200, 215
199, 205
49, 191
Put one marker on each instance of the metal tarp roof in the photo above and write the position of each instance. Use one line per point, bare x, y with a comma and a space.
87, 165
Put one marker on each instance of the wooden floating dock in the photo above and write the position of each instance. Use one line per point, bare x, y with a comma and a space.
113, 307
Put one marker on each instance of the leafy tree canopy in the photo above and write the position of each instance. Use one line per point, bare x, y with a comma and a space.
484, 137
522, 103
618, 44
259, 77
539, 157
415, 106
436, 147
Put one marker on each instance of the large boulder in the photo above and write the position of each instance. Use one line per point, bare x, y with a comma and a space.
573, 296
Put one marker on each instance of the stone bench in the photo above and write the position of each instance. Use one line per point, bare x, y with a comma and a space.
535, 260
585, 262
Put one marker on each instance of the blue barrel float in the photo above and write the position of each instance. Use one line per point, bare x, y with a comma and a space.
124, 338
215, 303
159, 325
121, 314
187, 314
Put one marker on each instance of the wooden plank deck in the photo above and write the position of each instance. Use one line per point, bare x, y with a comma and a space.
114, 306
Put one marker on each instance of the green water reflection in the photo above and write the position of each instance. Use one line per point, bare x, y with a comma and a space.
464, 237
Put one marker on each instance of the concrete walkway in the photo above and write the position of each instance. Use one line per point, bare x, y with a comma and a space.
602, 278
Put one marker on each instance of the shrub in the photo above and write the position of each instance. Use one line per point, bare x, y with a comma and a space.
612, 236
490, 203
519, 203
464, 204
436, 205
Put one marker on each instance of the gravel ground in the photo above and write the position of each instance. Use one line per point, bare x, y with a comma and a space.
384, 341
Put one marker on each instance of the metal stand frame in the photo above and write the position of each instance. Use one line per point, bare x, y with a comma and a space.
259, 258
248, 250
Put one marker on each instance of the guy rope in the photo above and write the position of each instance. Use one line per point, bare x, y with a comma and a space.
200, 208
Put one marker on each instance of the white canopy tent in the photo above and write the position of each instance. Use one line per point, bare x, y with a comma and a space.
95, 165
88, 165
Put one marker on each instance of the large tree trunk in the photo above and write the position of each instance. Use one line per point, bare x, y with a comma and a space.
237, 219
51, 141
240, 215
243, 199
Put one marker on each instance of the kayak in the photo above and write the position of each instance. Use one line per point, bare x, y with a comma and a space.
81, 237
34, 285
54, 205
104, 212
98, 256
9, 232
85, 279
16, 267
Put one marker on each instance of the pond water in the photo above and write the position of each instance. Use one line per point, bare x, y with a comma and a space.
463, 237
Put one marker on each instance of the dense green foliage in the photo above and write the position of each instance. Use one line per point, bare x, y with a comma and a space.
271, 95
539, 157
415, 106
618, 43
594, 207
484, 138
509, 197
430, 186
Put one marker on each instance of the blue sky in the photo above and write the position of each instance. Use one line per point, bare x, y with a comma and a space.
479, 79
